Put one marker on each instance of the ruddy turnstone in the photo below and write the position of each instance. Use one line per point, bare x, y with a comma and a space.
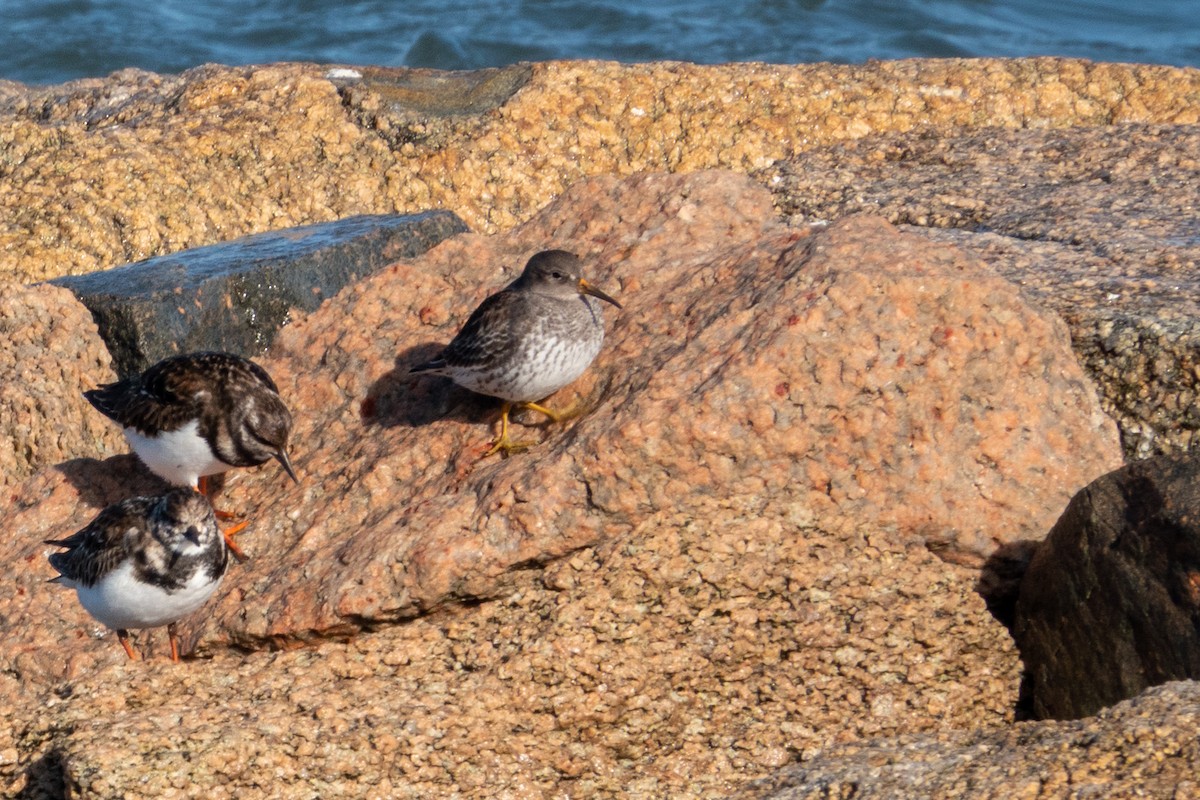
145, 562
528, 340
199, 414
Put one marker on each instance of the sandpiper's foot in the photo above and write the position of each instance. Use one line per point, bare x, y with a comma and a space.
503, 444
506, 446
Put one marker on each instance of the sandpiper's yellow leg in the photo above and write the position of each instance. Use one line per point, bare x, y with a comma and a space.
503, 444
553, 415
571, 413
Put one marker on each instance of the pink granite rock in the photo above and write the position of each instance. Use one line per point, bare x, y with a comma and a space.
853, 376
49, 353
1144, 747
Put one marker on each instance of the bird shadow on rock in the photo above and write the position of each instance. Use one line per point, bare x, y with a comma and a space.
102, 483
399, 398
999, 585
45, 777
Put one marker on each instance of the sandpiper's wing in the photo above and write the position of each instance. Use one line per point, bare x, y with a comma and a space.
494, 327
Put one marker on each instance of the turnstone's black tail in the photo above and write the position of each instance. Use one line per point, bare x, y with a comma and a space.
429, 366
107, 399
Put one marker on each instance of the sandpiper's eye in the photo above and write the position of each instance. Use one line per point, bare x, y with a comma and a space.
558, 276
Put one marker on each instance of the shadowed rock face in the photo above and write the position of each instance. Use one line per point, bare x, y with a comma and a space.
49, 353
1110, 603
736, 531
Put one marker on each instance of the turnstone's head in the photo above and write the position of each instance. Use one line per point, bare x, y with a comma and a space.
183, 522
259, 427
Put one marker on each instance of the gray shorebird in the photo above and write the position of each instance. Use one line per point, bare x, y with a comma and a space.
528, 340
200, 414
145, 562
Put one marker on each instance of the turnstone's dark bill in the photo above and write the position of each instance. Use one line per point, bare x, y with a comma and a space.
199, 414
528, 340
145, 562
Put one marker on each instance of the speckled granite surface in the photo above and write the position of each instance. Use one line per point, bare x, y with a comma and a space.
1097, 223
665, 640
106, 171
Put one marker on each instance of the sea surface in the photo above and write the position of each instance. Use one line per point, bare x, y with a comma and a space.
48, 41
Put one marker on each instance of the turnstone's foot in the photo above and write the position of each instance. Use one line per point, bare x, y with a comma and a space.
203, 487
229, 533
173, 636
123, 638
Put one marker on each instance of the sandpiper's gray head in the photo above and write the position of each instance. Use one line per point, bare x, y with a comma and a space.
559, 273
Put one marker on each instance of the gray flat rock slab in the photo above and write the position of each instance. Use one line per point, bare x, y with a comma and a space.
236, 295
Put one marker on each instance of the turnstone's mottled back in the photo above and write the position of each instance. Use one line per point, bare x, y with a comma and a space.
528, 340
145, 562
199, 414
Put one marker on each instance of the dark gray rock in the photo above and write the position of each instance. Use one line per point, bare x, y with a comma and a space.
236, 295
432, 92
1110, 603
421, 106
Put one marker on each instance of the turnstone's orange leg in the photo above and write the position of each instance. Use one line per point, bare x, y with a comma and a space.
174, 638
123, 638
228, 533
202, 488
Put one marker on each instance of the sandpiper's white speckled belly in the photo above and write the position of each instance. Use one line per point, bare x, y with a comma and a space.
120, 601
542, 364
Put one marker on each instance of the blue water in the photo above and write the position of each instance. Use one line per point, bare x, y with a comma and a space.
47, 41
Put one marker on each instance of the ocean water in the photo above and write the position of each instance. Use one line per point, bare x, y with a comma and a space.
48, 41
